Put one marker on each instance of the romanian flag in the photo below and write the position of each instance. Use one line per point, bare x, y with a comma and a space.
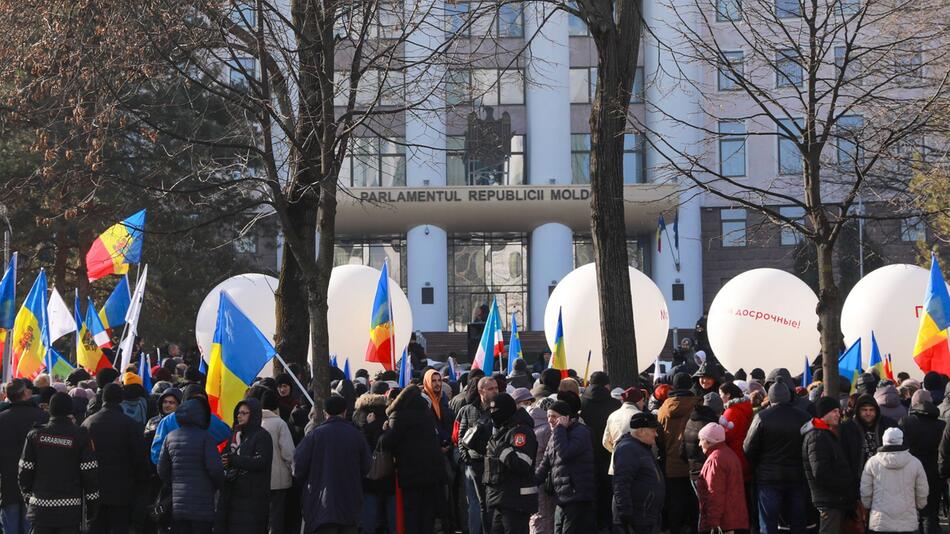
31, 332
559, 353
492, 344
239, 351
7, 308
98, 331
381, 335
113, 312
931, 351
56, 365
116, 248
88, 354
849, 364
876, 362
514, 345
660, 228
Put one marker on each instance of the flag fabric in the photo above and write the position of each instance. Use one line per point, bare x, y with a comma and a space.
875, 362
88, 355
559, 353
57, 366
239, 351
333, 361
492, 345
806, 375
7, 314
888, 368
514, 345
132, 319
931, 351
405, 369
676, 231
849, 364
381, 335
117, 305
145, 371
95, 326
31, 332
116, 248
452, 372
346, 370
660, 227
60, 317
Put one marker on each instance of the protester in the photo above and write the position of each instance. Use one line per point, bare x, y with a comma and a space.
923, 430
519, 377
168, 402
219, 431
638, 482
736, 419
706, 379
59, 474
618, 424
690, 448
680, 506
863, 434
542, 522
329, 463
889, 401
474, 429
379, 496
16, 421
720, 486
244, 500
935, 383
829, 476
121, 453
511, 492
596, 407
893, 486
282, 460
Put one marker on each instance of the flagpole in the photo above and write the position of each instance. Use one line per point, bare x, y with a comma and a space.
392, 318
126, 324
294, 378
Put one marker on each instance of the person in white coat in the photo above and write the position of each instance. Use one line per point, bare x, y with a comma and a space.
281, 477
618, 423
893, 486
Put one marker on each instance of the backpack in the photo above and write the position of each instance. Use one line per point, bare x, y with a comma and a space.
136, 409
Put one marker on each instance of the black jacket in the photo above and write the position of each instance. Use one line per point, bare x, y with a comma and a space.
639, 486
414, 441
829, 475
923, 430
509, 465
596, 407
689, 446
520, 379
245, 499
59, 474
773, 445
853, 435
190, 463
15, 422
569, 462
371, 403
471, 415
121, 453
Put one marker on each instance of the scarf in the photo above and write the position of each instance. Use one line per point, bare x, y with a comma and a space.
436, 401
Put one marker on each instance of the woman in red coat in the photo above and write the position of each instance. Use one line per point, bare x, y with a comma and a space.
737, 419
721, 488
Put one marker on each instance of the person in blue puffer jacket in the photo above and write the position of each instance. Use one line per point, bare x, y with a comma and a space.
219, 430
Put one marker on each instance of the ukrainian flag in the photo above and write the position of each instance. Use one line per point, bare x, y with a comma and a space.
559, 354
931, 351
876, 361
7, 307
239, 351
380, 346
56, 365
117, 305
116, 248
31, 332
849, 364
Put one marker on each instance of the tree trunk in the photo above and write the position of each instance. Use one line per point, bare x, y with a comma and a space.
319, 286
293, 313
829, 319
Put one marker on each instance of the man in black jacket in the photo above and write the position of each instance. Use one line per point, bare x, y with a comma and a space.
596, 407
470, 418
863, 435
59, 473
826, 466
16, 422
923, 430
512, 495
639, 488
773, 447
122, 457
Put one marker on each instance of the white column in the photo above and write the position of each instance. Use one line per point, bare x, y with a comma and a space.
670, 98
427, 265
425, 121
551, 258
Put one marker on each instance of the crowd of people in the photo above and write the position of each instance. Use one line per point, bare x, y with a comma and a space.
699, 449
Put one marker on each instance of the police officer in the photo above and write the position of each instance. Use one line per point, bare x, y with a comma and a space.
512, 495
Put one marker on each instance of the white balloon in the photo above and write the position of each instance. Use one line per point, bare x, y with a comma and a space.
576, 296
253, 293
887, 301
764, 318
350, 301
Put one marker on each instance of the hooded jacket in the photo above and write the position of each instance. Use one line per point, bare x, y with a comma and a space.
219, 430
16, 422
152, 425
639, 486
934, 384
245, 498
618, 424
829, 475
413, 438
773, 445
282, 457
721, 491
596, 407
711, 370
569, 462
371, 403
889, 402
739, 415
854, 435
121, 453
923, 431
893, 487
673, 416
690, 451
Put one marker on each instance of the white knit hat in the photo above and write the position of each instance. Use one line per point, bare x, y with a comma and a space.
893, 436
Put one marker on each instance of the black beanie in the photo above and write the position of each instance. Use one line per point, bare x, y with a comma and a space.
562, 408
825, 405
757, 374
599, 378
335, 405
61, 405
572, 400
77, 376
740, 374
502, 408
106, 376
112, 394
551, 378
682, 381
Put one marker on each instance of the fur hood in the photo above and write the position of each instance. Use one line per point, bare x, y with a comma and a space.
370, 400
408, 398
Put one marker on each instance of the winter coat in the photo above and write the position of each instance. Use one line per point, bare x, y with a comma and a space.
121, 453
413, 438
569, 462
673, 416
721, 491
329, 463
190, 463
853, 435
245, 499
219, 431
509, 465
16, 422
690, 451
773, 445
739, 415
596, 407
282, 458
468, 417
893, 487
639, 486
520, 379
371, 403
135, 403
58, 474
922, 433
618, 424
944, 405
829, 475
889, 402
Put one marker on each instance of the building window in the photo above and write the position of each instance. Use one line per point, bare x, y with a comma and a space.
375, 162
846, 65
788, 8
460, 171
243, 15
580, 158
457, 17
791, 236
728, 10
575, 26
633, 159
482, 267
243, 70
374, 254
732, 148
847, 133
788, 71
909, 66
583, 84
790, 159
913, 229
731, 69
486, 87
510, 20
733, 227
584, 252
637, 92
849, 8
462, 19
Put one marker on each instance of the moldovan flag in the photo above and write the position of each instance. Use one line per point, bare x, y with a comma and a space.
559, 353
238, 353
117, 305
7, 311
931, 351
88, 355
381, 333
116, 248
31, 332
492, 344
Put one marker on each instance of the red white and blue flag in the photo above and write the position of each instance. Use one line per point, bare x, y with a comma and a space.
492, 344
